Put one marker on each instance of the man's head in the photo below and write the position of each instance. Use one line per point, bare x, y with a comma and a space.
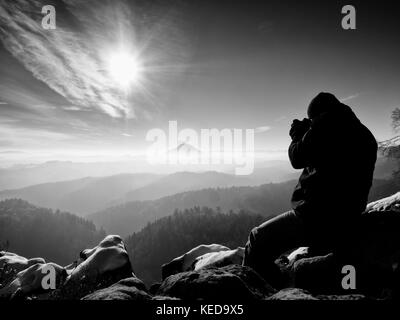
322, 103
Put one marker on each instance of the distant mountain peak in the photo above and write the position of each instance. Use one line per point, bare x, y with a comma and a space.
186, 149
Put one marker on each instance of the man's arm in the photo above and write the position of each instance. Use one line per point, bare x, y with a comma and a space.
298, 151
303, 144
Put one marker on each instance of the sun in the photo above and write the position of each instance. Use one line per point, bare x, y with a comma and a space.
125, 68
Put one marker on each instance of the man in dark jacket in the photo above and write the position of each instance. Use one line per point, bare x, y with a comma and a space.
337, 154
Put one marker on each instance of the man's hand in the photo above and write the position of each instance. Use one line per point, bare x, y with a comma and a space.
299, 128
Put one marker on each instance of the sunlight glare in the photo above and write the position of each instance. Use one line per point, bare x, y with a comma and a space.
125, 68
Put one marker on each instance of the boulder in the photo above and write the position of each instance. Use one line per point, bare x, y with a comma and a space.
186, 261
29, 281
343, 297
126, 289
231, 283
219, 259
101, 266
301, 294
11, 264
302, 252
154, 288
318, 274
391, 203
165, 298
322, 274
292, 294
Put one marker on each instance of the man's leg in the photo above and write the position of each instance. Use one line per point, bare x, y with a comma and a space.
269, 240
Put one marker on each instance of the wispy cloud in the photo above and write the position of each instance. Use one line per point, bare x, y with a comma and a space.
2, 102
350, 97
262, 129
71, 108
70, 63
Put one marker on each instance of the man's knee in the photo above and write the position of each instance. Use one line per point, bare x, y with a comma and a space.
266, 232
277, 234
250, 254
250, 241
259, 240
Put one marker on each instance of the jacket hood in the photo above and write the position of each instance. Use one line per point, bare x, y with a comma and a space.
327, 103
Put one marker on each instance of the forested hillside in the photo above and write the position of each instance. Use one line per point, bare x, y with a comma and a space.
267, 200
56, 236
169, 237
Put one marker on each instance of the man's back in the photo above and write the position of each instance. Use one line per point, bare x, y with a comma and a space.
338, 154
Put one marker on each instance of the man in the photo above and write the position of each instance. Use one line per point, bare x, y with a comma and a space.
337, 154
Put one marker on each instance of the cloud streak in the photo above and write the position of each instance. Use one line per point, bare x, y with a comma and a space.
68, 62
262, 129
351, 97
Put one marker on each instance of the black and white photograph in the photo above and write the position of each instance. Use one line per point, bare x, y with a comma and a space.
200, 157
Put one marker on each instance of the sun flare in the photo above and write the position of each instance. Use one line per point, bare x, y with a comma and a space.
125, 68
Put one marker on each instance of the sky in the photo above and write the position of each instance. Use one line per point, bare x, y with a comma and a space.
203, 63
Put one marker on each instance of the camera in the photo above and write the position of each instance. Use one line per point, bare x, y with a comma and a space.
299, 127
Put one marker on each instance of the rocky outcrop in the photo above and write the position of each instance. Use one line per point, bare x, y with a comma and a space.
292, 294
233, 283
95, 269
301, 294
214, 272
126, 289
187, 261
11, 264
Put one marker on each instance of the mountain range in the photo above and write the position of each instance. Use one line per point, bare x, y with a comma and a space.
90, 194
81, 196
267, 200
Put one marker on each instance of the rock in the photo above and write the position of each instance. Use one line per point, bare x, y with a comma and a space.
154, 287
302, 252
301, 294
103, 266
323, 275
380, 245
219, 259
346, 297
165, 298
29, 281
126, 289
391, 203
231, 283
319, 274
292, 294
186, 261
11, 264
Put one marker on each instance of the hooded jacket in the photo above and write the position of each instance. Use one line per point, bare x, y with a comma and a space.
337, 155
